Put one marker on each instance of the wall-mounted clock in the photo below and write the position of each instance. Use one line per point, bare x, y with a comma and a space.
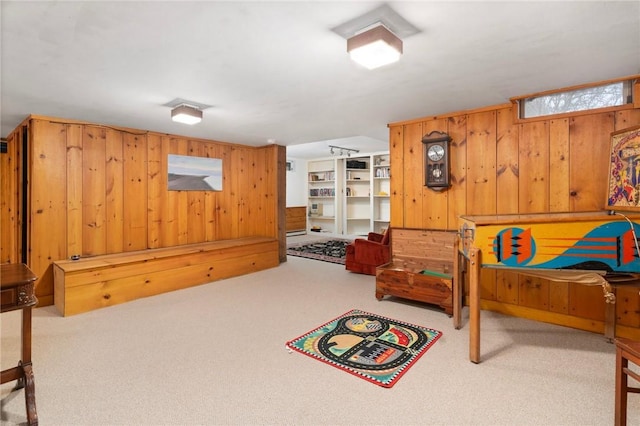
436, 171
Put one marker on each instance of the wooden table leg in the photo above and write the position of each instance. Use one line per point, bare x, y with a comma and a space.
27, 369
621, 389
609, 321
474, 305
457, 285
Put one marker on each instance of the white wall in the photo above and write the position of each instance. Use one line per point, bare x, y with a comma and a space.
297, 183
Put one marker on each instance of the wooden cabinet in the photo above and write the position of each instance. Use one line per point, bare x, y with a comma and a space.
421, 267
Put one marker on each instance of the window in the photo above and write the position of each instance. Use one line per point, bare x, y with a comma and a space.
583, 99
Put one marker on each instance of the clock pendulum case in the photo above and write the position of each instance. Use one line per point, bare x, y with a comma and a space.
436, 148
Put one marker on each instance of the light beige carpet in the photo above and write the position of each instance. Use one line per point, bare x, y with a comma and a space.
215, 355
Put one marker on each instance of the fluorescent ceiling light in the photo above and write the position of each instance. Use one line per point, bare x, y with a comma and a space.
375, 47
186, 114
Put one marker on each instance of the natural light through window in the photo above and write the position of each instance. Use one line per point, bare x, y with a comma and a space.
603, 96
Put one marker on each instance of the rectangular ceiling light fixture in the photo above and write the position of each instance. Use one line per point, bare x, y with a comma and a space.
375, 47
186, 114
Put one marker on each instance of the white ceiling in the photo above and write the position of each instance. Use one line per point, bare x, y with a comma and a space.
276, 70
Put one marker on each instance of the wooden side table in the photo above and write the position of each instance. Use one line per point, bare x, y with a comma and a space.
626, 350
17, 283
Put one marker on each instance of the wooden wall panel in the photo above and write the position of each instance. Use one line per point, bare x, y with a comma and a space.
586, 301
533, 292
502, 167
434, 203
507, 287
534, 167
195, 201
227, 210
396, 172
157, 188
97, 190
627, 118
210, 198
47, 216
75, 221
116, 191
457, 200
481, 163
589, 145
413, 176
134, 192
559, 165
94, 230
271, 159
507, 162
179, 200
9, 200
628, 307
559, 297
249, 193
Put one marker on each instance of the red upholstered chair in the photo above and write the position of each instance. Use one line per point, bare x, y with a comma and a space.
363, 256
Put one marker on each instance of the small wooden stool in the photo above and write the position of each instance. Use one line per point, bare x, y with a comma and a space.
626, 350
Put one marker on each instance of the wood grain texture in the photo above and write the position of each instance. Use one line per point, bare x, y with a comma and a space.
47, 235
435, 203
10, 171
396, 180
457, 200
95, 282
481, 163
534, 167
414, 251
413, 172
589, 145
500, 166
96, 190
559, 163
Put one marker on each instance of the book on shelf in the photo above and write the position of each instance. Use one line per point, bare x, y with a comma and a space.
322, 192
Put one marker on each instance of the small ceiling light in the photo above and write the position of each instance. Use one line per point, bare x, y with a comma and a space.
186, 114
375, 47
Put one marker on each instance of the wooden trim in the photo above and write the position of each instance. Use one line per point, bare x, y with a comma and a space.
133, 131
449, 114
515, 101
577, 87
585, 324
518, 120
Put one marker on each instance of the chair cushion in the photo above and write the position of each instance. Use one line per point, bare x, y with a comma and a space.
385, 237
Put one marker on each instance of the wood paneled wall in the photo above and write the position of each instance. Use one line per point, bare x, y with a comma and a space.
95, 190
499, 166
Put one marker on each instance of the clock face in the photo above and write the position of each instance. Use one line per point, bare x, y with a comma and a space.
435, 152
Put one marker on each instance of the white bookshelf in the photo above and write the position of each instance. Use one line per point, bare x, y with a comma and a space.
349, 195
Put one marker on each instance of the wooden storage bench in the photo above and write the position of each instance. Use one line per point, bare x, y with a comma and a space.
421, 267
94, 282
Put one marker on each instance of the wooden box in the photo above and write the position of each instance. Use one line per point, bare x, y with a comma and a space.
296, 219
421, 267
